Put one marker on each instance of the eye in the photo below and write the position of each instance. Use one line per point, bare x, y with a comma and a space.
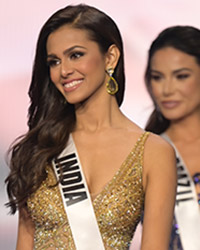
76, 55
182, 76
53, 62
155, 77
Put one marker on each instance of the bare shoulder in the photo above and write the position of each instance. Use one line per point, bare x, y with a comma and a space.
159, 147
159, 159
155, 145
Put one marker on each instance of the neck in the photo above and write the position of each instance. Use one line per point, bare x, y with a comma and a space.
97, 114
187, 129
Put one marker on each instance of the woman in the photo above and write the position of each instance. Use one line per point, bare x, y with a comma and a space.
78, 177
173, 82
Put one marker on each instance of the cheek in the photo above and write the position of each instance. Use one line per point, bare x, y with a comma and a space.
156, 90
93, 65
53, 76
55, 79
191, 89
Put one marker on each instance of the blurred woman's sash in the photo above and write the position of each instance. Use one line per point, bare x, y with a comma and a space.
187, 211
76, 199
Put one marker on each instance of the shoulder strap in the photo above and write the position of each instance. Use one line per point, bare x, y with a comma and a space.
140, 146
187, 210
76, 199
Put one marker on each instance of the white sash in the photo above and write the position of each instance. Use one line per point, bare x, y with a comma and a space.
76, 200
187, 210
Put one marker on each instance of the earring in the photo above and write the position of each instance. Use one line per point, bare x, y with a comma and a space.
111, 85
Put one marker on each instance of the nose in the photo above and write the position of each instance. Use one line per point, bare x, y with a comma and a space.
168, 87
66, 69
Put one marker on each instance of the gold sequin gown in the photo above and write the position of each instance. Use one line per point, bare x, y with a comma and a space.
118, 208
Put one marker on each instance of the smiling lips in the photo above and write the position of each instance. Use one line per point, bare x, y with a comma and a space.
170, 104
72, 85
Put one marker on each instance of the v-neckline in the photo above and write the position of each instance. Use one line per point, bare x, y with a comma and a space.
109, 183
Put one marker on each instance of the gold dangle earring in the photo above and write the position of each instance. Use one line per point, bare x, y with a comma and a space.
111, 85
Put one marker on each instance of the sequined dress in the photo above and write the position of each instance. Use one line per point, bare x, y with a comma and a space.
118, 207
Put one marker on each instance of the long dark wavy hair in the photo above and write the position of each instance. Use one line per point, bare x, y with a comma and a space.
50, 118
183, 38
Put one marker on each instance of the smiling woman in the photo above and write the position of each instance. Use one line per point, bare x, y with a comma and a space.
173, 81
83, 174
77, 63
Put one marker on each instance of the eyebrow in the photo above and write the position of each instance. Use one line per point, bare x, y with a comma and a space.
155, 71
174, 72
67, 51
179, 70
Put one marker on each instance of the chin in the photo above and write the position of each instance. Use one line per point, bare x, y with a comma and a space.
174, 118
77, 102
73, 99
173, 115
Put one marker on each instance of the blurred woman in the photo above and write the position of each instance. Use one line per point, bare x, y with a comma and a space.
173, 82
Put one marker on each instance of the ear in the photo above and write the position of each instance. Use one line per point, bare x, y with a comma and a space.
112, 56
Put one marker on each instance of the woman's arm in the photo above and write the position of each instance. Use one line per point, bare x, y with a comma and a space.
25, 232
159, 180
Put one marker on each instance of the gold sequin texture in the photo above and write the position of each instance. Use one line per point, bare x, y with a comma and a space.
118, 207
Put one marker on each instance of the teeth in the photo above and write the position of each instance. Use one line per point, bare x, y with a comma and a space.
72, 84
